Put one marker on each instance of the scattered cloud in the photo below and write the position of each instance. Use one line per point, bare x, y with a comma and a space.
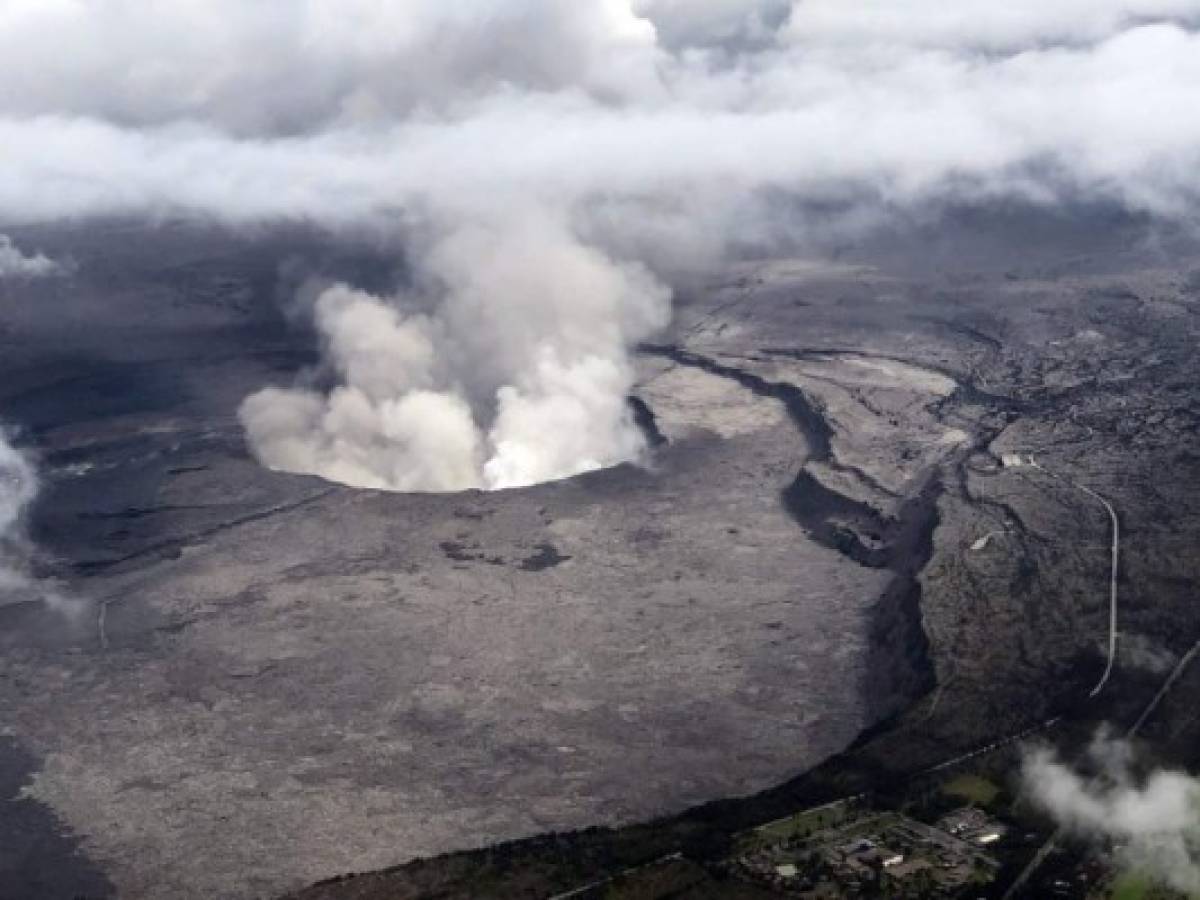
1153, 822
15, 264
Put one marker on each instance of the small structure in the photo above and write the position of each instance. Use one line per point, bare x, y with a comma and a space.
970, 823
857, 847
883, 850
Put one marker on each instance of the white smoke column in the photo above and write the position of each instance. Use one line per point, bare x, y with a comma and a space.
18, 487
520, 375
1154, 822
15, 264
386, 425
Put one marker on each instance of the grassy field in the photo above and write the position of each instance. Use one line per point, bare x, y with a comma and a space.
1130, 886
971, 788
807, 822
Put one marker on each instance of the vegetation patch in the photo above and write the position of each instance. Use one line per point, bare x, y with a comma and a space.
972, 788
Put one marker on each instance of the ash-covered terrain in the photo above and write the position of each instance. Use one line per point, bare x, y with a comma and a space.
501, 445
252, 680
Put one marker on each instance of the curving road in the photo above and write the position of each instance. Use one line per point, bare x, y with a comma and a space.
1113, 569
1112, 588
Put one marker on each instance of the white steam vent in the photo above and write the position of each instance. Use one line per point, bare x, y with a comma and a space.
520, 375
18, 487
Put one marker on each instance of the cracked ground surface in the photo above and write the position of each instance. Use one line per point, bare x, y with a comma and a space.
270, 680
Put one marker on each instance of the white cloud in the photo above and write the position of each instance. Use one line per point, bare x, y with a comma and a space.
974, 25
290, 66
1154, 822
1111, 118
15, 264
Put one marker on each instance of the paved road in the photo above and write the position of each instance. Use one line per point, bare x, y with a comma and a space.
1180, 667
995, 745
1112, 588
1115, 565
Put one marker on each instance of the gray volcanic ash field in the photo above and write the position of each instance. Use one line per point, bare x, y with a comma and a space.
433, 423
262, 679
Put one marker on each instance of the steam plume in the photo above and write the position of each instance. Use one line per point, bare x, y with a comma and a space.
1154, 822
520, 375
18, 487
15, 264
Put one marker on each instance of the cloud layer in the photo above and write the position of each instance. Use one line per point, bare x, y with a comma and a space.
636, 136
345, 110
1154, 822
